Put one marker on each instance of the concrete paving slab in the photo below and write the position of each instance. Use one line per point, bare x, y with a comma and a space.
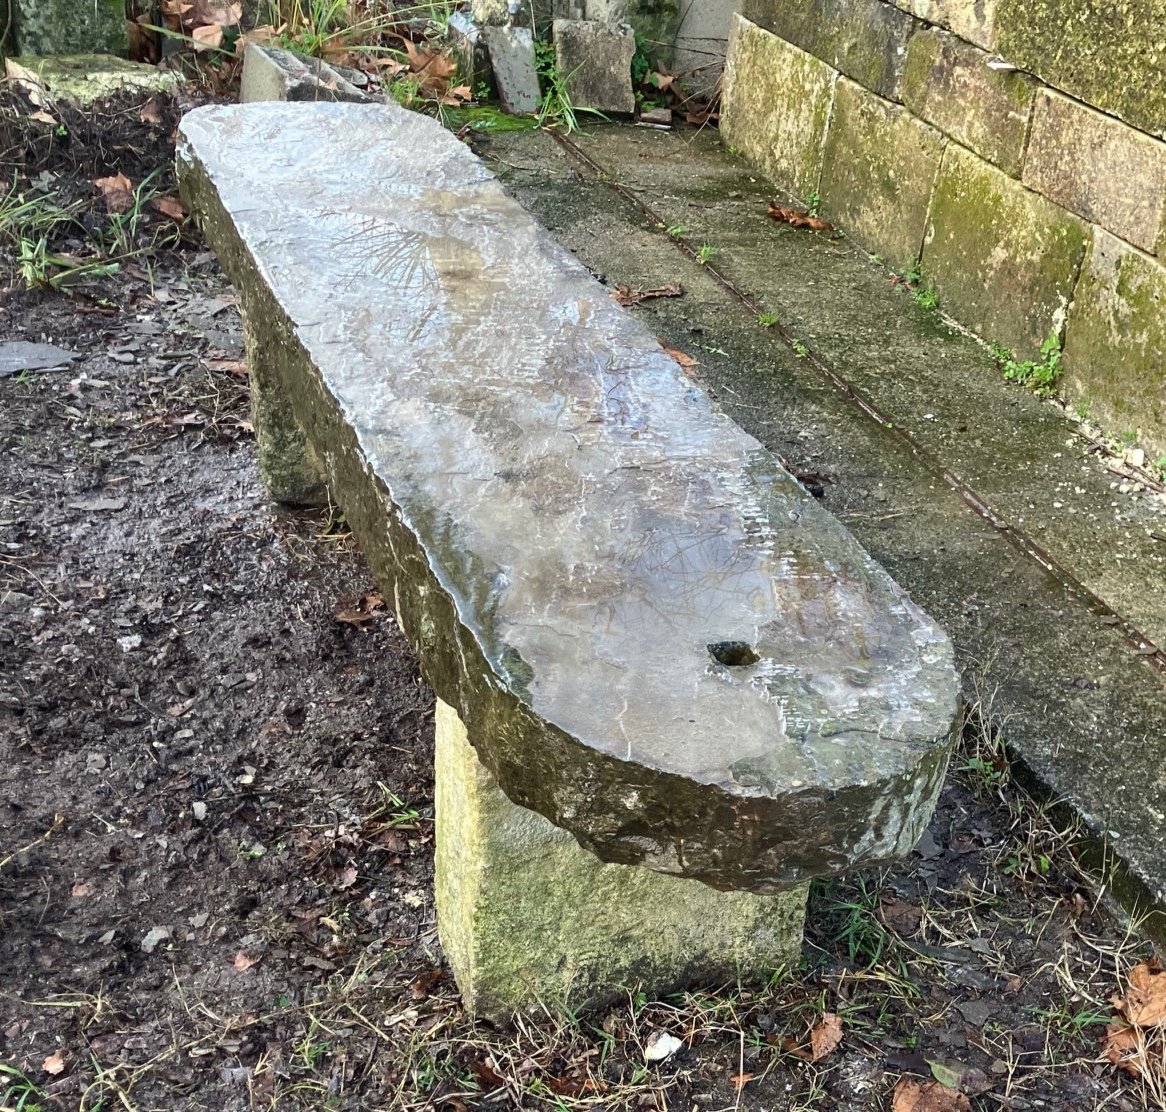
1083, 713
1021, 453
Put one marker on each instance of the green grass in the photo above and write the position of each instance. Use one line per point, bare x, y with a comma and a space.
19, 1093
1041, 376
705, 254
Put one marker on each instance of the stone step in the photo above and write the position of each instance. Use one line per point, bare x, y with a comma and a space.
1082, 708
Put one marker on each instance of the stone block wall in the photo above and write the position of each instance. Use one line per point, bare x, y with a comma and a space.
1011, 149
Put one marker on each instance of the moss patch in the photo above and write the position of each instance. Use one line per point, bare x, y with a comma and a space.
947, 83
1003, 259
1116, 337
776, 106
864, 39
878, 173
1111, 55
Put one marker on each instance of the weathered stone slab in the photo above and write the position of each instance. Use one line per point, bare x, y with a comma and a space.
948, 83
656, 638
528, 916
776, 106
1099, 168
974, 20
271, 73
1115, 344
864, 39
512, 60
70, 26
596, 61
878, 173
81, 79
1003, 259
1111, 55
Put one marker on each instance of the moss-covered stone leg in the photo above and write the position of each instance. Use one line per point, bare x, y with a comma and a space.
526, 915
288, 465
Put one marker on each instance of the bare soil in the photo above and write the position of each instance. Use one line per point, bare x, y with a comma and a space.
216, 826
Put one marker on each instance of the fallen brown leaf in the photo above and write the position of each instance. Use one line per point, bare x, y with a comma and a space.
54, 1063
151, 112
626, 296
903, 918
797, 219
740, 1080
236, 367
118, 192
424, 983
346, 879
244, 961
79, 890
364, 609
488, 1077
825, 1036
258, 35
912, 1095
433, 68
207, 37
685, 360
169, 206
1144, 1003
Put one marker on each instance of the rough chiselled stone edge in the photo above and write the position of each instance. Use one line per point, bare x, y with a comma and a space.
728, 841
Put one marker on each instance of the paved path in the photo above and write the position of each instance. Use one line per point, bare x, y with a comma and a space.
981, 499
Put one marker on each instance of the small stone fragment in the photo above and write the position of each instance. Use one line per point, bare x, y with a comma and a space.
595, 59
270, 73
661, 1045
512, 59
659, 117
199, 811
154, 936
96, 762
22, 355
81, 79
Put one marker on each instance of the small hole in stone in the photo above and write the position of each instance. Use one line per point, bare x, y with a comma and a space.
733, 654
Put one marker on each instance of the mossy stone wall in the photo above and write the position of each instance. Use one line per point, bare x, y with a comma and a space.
1036, 165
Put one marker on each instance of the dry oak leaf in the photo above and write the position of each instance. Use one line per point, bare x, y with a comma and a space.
364, 609
826, 1036
1144, 1003
432, 67
626, 296
54, 1063
118, 192
209, 37
797, 219
424, 983
912, 1095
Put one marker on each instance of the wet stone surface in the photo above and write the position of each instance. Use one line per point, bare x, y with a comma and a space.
566, 524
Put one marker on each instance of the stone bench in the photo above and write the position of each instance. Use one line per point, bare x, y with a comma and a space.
672, 688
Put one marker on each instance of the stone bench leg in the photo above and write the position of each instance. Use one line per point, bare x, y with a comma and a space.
526, 915
288, 465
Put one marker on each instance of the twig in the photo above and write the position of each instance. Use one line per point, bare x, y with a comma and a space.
57, 821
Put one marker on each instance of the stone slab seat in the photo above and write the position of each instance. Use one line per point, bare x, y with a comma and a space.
653, 637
